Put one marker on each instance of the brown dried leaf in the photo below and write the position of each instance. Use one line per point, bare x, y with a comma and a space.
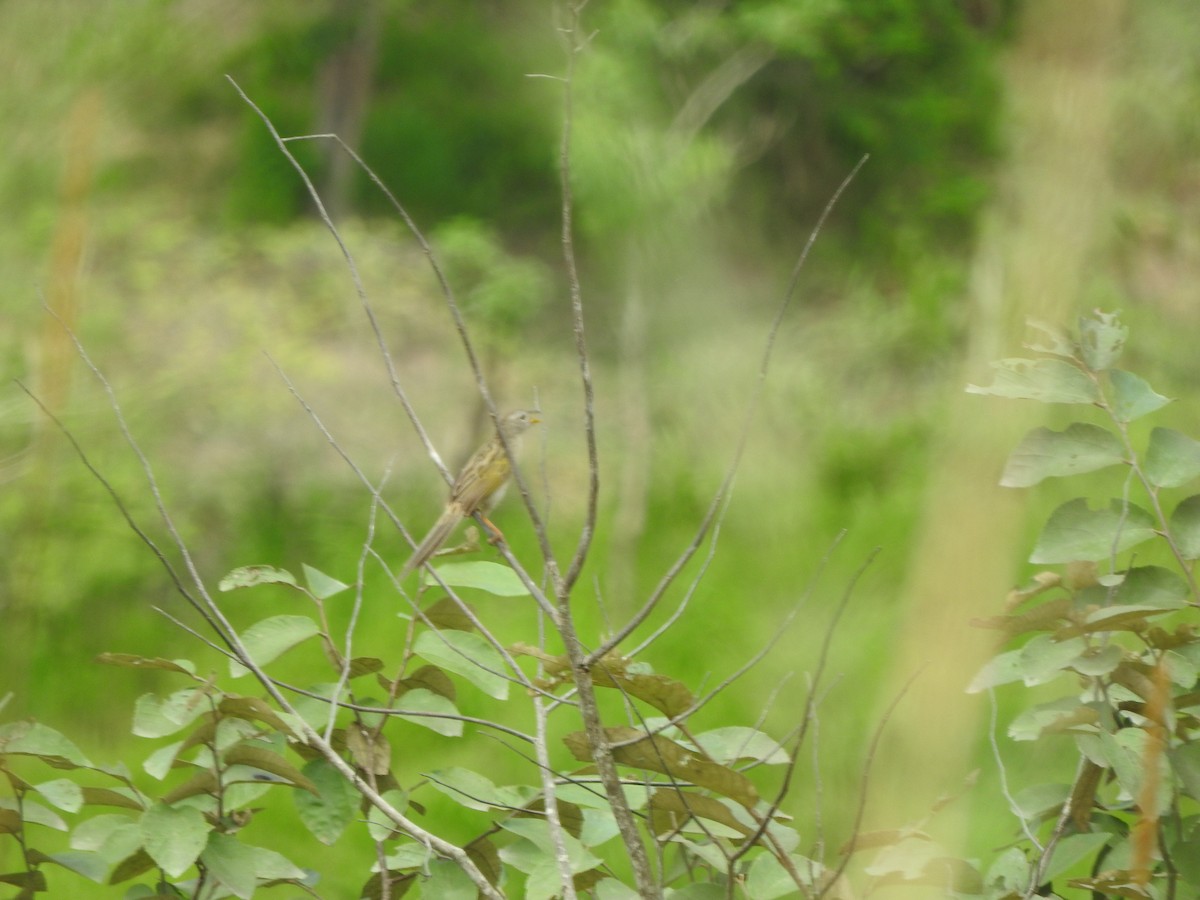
659, 754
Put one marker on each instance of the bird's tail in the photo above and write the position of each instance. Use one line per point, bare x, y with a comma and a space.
437, 536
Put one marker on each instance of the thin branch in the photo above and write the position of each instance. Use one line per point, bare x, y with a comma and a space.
573, 47
864, 784
226, 632
126, 514
460, 327
710, 515
356, 607
762, 652
1002, 771
535, 591
359, 288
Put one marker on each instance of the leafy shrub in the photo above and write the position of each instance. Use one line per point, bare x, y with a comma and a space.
1117, 631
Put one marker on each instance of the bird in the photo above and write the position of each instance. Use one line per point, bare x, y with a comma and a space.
478, 487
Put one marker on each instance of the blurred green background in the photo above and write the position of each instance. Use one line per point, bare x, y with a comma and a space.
1025, 159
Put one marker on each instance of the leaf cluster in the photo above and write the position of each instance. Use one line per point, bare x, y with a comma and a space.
1118, 634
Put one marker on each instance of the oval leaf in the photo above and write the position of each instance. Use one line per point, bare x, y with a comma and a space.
1052, 454
321, 585
174, 837
1133, 397
1172, 458
486, 576
267, 639
1185, 527
467, 654
1075, 532
334, 805
42, 741
445, 721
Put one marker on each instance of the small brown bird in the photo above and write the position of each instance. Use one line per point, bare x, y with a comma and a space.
478, 487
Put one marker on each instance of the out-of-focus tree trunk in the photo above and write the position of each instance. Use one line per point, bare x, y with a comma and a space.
344, 90
1034, 253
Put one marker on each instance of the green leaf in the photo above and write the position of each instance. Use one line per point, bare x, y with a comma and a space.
1151, 586
1185, 854
1098, 660
1074, 848
1181, 670
447, 881
1185, 760
174, 836
114, 837
90, 865
768, 879
611, 889
1133, 397
1045, 454
1055, 716
42, 741
475, 791
486, 576
334, 806
1101, 340
232, 863
249, 576
1043, 658
62, 793
1185, 527
160, 762
1008, 874
1046, 380
537, 832
1126, 751
382, 828
34, 813
320, 585
1172, 458
1074, 532
467, 654
423, 700
1004, 668
736, 742
267, 639
1040, 801
155, 718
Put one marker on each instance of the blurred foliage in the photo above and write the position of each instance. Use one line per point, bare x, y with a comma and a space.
500, 292
453, 125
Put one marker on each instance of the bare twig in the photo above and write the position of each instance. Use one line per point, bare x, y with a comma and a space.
461, 329
359, 288
573, 46
227, 633
864, 784
710, 515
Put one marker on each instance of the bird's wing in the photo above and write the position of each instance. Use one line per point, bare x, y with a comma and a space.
479, 483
